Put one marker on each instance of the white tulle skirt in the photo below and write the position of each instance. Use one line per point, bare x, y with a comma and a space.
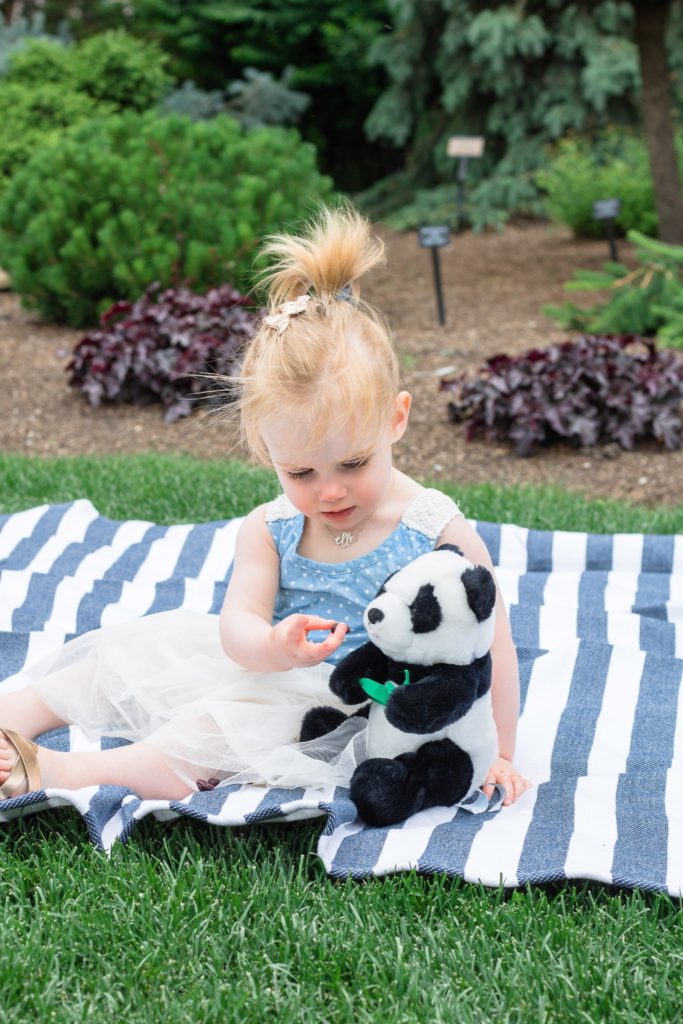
165, 679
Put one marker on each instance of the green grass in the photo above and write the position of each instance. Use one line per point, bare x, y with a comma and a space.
192, 923
177, 489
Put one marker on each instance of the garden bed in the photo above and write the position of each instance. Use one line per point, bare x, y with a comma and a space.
494, 286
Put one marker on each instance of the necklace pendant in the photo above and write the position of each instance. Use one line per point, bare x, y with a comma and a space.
345, 539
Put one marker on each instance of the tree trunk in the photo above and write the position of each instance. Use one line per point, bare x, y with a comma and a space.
651, 18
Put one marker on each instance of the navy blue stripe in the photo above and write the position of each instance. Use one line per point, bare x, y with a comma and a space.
219, 590
100, 534
13, 651
450, 844
599, 552
195, 549
358, 853
547, 840
658, 554
127, 566
591, 617
539, 551
272, 801
108, 590
657, 634
27, 549
640, 853
525, 614
490, 534
170, 593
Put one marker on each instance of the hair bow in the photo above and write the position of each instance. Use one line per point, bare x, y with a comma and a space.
279, 320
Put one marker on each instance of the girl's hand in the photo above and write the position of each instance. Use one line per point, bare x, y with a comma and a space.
290, 646
503, 773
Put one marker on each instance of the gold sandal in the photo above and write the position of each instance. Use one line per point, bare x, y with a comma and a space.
25, 770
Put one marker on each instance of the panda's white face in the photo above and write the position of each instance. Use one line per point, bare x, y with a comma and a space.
439, 608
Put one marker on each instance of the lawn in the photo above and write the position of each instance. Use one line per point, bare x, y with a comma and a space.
192, 923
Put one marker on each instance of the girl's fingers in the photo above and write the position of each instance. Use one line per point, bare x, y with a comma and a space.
314, 622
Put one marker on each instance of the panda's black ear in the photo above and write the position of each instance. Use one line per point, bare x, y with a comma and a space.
480, 590
449, 547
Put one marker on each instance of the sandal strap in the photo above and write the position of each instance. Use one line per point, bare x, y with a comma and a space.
25, 770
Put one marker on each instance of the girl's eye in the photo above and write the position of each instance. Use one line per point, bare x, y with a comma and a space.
298, 475
356, 464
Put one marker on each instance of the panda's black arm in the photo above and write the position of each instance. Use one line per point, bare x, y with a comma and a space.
439, 699
367, 660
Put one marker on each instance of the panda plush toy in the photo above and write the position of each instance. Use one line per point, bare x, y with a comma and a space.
431, 737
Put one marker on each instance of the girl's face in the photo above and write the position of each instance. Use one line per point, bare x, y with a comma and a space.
344, 479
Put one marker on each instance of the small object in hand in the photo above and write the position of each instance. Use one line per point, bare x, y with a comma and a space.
334, 628
204, 785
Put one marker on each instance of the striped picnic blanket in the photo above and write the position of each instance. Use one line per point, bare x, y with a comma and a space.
598, 623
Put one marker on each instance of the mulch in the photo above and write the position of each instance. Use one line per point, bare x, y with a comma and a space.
494, 287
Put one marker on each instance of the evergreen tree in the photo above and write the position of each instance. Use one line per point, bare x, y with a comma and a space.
522, 75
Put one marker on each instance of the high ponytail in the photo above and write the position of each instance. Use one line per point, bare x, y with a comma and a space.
336, 250
332, 362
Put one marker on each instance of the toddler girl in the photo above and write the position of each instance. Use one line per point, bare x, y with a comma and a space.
209, 700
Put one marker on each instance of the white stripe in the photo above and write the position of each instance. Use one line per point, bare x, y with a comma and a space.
508, 581
591, 848
497, 847
557, 621
70, 591
71, 528
238, 804
674, 807
558, 613
513, 547
138, 594
627, 552
14, 586
404, 846
18, 527
569, 551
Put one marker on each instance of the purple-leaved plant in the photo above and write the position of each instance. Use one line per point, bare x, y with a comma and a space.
617, 388
159, 347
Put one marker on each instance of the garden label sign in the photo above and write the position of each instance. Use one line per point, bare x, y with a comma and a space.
607, 210
435, 238
464, 147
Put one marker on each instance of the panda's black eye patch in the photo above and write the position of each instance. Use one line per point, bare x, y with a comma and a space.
425, 610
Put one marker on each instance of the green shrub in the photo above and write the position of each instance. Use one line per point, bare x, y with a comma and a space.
615, 165
39, 61
118, 69
132, 199
36, 115
646, 301
50, 87
112, 68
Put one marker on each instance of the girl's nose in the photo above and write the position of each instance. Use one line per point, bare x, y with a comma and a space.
332, 489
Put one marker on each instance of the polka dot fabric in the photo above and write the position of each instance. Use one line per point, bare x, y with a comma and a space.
340, 591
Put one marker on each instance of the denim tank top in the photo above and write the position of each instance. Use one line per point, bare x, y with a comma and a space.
341, 590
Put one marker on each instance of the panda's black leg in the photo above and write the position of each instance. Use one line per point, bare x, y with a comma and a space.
387, 791
319, 721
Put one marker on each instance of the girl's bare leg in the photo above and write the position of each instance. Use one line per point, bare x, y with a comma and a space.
138, 766
25, 713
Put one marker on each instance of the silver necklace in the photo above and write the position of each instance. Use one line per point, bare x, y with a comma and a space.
345, 539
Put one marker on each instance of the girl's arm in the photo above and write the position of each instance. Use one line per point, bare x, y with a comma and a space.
505, 670
246, 630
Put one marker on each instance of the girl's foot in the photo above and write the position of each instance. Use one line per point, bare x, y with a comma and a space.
19, 771
25, 767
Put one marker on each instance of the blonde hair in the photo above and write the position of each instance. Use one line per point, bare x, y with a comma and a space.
335, 363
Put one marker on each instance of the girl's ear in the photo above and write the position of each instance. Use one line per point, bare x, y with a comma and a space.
399, 419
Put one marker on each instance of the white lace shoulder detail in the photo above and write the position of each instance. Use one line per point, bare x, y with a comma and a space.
280, 508
430, 513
